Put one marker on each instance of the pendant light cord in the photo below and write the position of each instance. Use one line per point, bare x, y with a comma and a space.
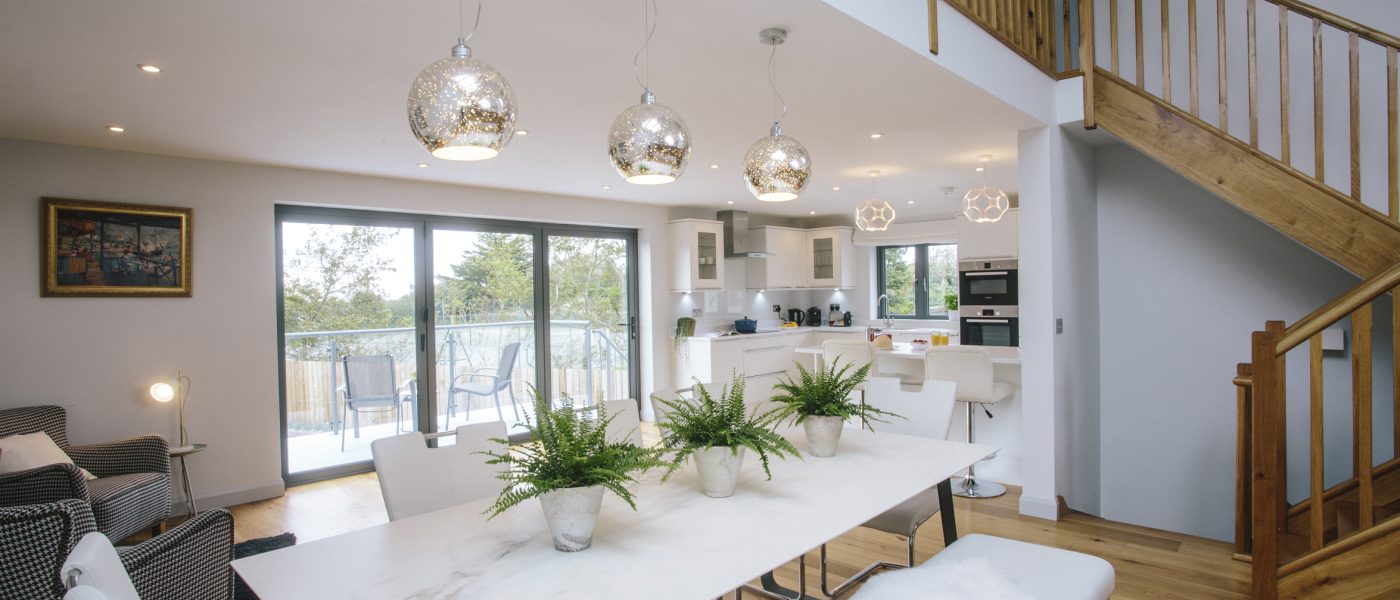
649, 26
461, 20
773, 83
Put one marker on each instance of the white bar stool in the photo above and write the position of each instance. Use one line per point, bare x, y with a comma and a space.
970, 367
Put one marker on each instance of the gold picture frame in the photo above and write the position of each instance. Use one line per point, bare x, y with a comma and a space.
97, 249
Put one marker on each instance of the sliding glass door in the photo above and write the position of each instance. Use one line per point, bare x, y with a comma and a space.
391, 323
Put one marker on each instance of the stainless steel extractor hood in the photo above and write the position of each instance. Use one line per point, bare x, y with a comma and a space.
736, 235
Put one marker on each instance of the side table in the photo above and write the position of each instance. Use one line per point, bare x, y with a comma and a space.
181, 452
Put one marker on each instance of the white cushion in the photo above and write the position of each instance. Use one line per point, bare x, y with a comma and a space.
94, 563
31, 451
85, 592
1026, 570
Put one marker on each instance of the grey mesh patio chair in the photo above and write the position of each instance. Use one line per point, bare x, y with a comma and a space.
191, 560
486, 381
370, 386
132, 489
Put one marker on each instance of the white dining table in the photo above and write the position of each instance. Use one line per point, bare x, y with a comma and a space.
679, 543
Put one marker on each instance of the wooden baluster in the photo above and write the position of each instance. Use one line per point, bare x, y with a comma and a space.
1317, 101
1113, 35
1361, 412
933, 26
1354, 59
1391, 107
1251, 28
1222, 71
1137, 44
1087, 62
1195, 63
1315, 507
1166, 53
1285, 143
1395, 357
1243, 465
1065, 28
1266, 469
1046, 20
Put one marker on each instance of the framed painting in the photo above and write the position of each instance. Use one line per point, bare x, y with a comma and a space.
108, 249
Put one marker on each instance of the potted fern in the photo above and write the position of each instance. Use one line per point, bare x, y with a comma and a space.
717, 432
568, 466
821, 401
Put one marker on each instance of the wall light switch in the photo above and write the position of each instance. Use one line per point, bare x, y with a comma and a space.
1059, 326
695, 312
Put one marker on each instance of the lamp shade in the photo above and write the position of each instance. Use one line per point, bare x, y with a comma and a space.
162, 392
874, 215
777, 167
461, 108
985, 204
649, 143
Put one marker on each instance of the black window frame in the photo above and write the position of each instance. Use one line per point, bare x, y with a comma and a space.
921, 283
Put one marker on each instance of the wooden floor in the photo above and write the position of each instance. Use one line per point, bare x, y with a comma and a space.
1149, 563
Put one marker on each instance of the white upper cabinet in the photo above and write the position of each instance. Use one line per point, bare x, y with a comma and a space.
697, 255
990, 240
785, 266
828, 257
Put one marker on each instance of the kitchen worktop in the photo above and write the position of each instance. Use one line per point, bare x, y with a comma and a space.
766, 332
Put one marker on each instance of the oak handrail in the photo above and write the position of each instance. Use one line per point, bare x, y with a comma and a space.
1338, 308
1340, 22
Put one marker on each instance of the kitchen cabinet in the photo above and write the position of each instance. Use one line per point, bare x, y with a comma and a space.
763, 359
829, 257
990, 240
785, 265
697, 255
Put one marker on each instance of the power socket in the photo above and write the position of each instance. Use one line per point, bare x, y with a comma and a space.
777, 308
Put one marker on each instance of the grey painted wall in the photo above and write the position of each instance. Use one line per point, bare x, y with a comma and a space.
1183, 279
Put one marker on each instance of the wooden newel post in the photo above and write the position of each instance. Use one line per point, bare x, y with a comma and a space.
1267, 457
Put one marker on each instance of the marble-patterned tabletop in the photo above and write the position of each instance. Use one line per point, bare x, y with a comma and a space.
678, 544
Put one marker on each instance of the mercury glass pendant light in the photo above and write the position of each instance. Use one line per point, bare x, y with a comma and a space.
461, 108
777, 167
874, 214
985, 204
648, 143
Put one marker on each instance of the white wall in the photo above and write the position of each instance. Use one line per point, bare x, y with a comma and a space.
1183, 279
96, 356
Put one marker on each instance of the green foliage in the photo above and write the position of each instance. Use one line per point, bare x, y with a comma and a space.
493, 281
899, 279
570, 450
826, 393
332, 284
704, 423
950, 300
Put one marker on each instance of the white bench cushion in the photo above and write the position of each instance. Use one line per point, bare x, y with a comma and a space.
984, 567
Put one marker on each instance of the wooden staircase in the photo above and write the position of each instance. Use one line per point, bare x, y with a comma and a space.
1342, 540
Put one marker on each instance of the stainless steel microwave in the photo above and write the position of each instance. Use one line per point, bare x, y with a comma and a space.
990, 326
987, 283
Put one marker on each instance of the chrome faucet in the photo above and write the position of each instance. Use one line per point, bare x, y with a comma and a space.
889, 323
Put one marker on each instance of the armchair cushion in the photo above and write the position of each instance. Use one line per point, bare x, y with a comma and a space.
126, 504
32, 450
34, 540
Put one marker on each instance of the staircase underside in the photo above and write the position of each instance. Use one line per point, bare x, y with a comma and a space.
1361, 566
1350, 234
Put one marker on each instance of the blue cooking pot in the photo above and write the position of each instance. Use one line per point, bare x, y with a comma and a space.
745, 325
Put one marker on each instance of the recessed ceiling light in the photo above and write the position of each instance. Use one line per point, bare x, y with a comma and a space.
149, 68
877, 135
836, 189
522, 132
731, 202
909, 202
422, 165
115, 128
714, 166
606, 187
811, 212
979, 169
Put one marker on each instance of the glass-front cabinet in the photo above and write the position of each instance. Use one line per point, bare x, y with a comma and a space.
829, 256
697, 255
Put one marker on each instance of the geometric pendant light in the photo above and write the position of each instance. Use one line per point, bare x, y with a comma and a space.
649, 143
985, 204
461, 108
874, 214
777, 167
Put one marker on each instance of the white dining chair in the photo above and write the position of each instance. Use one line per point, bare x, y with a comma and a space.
971, 368
93, 564
416, 479
856, 353
928, 412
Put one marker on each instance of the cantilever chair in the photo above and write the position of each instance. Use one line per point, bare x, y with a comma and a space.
486, 381
370, 386
928, 412
416, 479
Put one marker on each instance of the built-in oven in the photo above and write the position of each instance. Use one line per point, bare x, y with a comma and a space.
990, 326
987, 282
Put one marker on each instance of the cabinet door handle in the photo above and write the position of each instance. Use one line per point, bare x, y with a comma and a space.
988, 320
983, 273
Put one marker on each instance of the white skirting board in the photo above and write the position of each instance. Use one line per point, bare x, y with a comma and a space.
226, 498
1043, 508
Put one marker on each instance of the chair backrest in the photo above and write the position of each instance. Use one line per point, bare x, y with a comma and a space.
968, 366
857, 353
34, 539
416, 479
369, 377
506, 368
94, 563
927, 410
48, 419
627, 421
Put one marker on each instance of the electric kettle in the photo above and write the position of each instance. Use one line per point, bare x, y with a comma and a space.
797, 315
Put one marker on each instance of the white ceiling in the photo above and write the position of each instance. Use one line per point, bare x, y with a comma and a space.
322, 84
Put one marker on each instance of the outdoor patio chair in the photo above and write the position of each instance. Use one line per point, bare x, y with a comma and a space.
132, 488
370, 385
486, 381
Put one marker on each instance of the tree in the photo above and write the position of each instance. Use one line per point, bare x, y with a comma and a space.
494, 281
899, 279
331, 283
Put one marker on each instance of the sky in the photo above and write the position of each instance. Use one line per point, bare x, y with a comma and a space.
448, 247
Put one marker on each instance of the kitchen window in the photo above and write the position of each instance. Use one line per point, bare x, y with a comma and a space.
921, 280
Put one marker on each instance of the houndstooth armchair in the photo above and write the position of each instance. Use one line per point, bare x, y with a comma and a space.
189, 562
132, 489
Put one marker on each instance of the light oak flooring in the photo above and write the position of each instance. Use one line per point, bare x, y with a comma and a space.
1149, 563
